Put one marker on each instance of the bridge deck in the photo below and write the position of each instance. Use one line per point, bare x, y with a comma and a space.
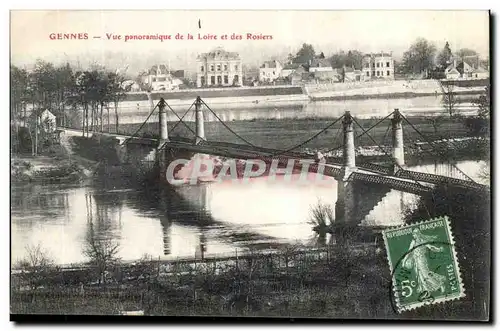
405, 180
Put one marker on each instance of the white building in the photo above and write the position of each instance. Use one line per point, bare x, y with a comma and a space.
318, 64
269, 71
219, 68
378, 66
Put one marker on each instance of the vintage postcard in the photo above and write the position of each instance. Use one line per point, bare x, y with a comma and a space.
273, 163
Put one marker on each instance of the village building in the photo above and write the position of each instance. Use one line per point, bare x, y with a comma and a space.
320, 64
378, 66
269, 71
219, 68
352, 75
468, 67
159, 78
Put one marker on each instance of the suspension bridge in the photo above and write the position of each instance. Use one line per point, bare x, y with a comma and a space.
360, 186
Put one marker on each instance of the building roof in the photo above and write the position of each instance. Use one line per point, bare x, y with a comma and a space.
292, 66
270, 64
378, 54
219, 54
317, 62
158, 70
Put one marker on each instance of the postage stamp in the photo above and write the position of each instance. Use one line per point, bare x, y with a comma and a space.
423, 263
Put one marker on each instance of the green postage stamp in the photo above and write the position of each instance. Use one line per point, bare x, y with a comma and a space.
423, 264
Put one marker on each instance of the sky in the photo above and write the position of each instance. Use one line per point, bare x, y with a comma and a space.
328, 31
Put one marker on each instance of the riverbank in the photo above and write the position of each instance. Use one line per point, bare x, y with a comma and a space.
47, 169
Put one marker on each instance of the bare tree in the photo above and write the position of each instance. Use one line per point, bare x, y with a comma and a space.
102, 253
436, 122
450, 99
35, 266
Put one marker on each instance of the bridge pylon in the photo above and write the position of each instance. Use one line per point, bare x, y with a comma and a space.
398, 153
200, 122
163, 121
345, 205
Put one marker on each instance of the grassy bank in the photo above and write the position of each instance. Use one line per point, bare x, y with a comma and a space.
46, 169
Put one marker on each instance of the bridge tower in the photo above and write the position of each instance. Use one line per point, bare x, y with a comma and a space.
398, 153
345, 205
200, 124
163, 122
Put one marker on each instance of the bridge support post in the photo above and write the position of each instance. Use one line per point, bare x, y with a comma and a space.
345, 206
349, 150
398, 153
163, 122
200, 124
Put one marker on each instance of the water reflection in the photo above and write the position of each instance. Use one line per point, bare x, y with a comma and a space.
183, 222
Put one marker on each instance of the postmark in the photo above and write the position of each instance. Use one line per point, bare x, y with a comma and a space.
423, 264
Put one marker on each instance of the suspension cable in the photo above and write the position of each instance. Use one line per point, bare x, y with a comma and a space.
362, 134
435, 149
187, 111
142, 125
334, 139
226, 126
311, 138
390, 157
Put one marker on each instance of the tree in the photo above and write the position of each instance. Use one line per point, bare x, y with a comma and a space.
102, 252
444, 57
450, 99
419, 58
461, 53
305, 54
18, 92
35, 267
483, 104
353, 58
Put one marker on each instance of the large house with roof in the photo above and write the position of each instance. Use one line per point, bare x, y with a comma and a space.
320, 64
378, 66
219, 68
269, 71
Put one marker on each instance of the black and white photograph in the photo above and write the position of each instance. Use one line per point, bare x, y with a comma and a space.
277, 164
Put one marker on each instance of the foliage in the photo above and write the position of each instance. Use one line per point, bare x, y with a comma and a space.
450, 99
305, 54
419, 58
483, 104
102, 253
466, 52
444, 57
35, 266
322, 216
353, 58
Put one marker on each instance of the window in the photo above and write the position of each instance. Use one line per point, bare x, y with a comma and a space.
388, 64
236, 80
236, 68
226, 79
212, 80
202, 68
368, 74
378, 64
212, 68
202, 81
162, 79
225, 67
367, 65
219, 80
274, 73
154, 79
218, 67
378, 73
388, 73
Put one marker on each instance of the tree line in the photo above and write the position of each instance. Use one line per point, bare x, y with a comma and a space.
63, 90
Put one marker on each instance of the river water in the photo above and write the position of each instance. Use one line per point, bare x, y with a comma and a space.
365, 108
224, 218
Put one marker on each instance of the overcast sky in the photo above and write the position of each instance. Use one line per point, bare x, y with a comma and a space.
328, 31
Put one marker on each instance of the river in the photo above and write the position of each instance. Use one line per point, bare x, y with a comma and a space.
225, 218
276, 109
